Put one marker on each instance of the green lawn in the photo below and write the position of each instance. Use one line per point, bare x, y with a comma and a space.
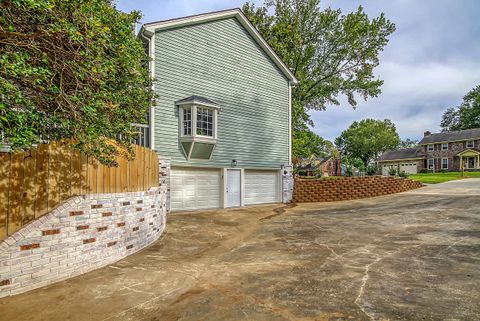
435, 178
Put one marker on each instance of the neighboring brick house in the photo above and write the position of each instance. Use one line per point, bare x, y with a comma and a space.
327, 166
452, 151
447, 151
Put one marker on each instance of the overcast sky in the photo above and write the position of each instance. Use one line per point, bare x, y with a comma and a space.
431, 61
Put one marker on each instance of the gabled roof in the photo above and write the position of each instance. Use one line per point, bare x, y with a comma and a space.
149, 29
451, 136
469, 151
194, 99
402, 154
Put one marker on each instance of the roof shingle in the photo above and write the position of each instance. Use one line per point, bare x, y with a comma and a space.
407, 153
451, 136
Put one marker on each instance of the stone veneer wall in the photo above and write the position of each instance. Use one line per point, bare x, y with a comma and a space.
349, 188
83, 234
287, 183
165, 170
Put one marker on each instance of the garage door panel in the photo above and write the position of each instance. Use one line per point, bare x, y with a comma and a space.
261, 187
195, 188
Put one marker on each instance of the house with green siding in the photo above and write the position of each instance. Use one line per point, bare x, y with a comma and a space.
222, 112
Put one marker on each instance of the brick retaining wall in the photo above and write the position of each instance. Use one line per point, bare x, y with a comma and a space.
83, 234
349, 188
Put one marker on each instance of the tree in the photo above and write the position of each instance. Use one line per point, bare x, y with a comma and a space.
367, 139
331, 54
408, 143
71, 70
306, 144
465, 116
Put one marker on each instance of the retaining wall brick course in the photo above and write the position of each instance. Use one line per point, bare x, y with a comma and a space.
348, 188
78, 237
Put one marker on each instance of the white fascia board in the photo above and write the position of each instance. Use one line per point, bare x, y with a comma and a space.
150, 28
198, 103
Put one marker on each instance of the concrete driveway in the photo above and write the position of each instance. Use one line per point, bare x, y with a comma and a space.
411, 256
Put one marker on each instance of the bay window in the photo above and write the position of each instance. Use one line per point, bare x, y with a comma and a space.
198, 127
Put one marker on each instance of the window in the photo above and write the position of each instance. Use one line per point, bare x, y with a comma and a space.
431, 147
197, 127
187, 122
430, 164
470, 144
198, 121
445, 146
444, 163
204, 122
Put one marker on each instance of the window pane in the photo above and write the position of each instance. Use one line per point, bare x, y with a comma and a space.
204, 122
187, 122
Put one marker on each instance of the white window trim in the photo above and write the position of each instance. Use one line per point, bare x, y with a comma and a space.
445, 144
447, 163
433, 163
468, 144
193, 108
433, 147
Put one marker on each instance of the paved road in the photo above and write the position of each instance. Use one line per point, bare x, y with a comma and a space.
412, 256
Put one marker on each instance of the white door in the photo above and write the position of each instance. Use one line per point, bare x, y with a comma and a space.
262, 187
409, 168
195, 188
234, 190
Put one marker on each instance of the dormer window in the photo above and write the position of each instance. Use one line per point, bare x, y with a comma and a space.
198, 127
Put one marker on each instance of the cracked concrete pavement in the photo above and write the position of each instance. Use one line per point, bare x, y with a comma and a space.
410, 256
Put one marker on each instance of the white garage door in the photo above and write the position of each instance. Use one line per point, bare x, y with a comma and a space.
409, 168
261, 187
386, 168
193, 189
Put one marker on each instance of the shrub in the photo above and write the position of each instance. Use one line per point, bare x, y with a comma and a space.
424, 171
392, 171
349, 172
372, 170
403, 174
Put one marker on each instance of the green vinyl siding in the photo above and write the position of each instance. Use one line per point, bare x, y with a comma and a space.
220, 61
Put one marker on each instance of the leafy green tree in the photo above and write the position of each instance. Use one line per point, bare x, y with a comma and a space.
71, 70
306, 143
408, 143
465, 116
367, 139
331, 53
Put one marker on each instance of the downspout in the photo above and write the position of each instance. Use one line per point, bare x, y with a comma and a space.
151, 66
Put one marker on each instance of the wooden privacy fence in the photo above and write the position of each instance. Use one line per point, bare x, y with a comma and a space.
32, 183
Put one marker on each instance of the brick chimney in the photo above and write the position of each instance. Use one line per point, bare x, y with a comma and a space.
427, 133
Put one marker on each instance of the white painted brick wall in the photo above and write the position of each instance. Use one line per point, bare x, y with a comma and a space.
52, 248
287, 183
